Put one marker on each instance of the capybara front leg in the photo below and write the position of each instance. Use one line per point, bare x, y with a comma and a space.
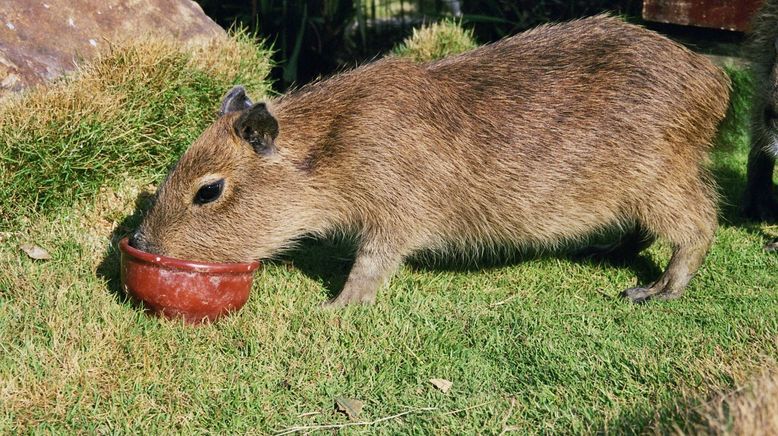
372, 269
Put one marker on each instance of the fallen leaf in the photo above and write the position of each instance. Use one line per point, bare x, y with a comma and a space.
442, 384
349, 406
35, 252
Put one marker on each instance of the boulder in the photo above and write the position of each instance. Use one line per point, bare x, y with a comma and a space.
43, 39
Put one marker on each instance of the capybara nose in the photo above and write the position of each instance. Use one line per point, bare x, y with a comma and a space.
138, 240
141, 241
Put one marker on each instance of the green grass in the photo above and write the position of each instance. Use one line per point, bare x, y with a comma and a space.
539, 345
132, 111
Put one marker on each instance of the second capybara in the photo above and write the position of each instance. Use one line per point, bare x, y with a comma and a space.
760, 201
539, 139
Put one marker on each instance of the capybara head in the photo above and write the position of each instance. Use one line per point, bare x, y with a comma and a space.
231, 196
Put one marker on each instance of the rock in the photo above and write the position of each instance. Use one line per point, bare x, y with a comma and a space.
41, 40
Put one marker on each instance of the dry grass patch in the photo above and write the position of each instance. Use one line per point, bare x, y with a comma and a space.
133, 110
436, 41
751, 409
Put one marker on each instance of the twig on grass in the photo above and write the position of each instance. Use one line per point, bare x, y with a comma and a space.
454, 412
500, 303
300, 428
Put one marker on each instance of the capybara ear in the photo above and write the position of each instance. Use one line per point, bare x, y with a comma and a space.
235, 100
258, 127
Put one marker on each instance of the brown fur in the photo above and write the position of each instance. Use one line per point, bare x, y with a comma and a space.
751, 410
538, 139
760, 202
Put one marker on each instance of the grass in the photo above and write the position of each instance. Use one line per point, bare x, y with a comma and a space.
536, 345
132, 111
435, 41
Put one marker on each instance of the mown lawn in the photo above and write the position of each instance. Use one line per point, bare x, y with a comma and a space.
536, 344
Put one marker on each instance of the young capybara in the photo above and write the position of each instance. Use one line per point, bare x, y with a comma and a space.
538, 139
760, 202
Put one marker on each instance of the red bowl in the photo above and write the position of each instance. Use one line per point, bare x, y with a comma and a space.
174, 288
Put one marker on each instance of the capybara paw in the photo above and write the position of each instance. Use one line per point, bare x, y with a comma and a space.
332, 303
638, 294
344, 300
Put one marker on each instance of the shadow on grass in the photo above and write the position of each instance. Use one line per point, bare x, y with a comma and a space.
108, 269
681, 418
731, 187
329, 262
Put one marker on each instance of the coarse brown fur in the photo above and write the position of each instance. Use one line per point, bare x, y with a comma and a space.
538, 139
760, 202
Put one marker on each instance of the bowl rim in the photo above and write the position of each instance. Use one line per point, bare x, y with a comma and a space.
186, 265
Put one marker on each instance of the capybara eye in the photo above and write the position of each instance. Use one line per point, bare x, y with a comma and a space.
210, 192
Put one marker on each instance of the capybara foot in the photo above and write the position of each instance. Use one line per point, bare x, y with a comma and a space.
639, 294
643, 294
345, 298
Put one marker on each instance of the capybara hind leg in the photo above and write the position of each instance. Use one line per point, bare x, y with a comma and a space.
687, 220
372, 268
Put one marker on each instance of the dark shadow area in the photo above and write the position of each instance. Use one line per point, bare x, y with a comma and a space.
318, 38
731, 186
329, 261
644, 269
694, 416
729, 174
108, 269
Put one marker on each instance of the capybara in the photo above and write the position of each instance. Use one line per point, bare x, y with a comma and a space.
759, 201
536, 140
